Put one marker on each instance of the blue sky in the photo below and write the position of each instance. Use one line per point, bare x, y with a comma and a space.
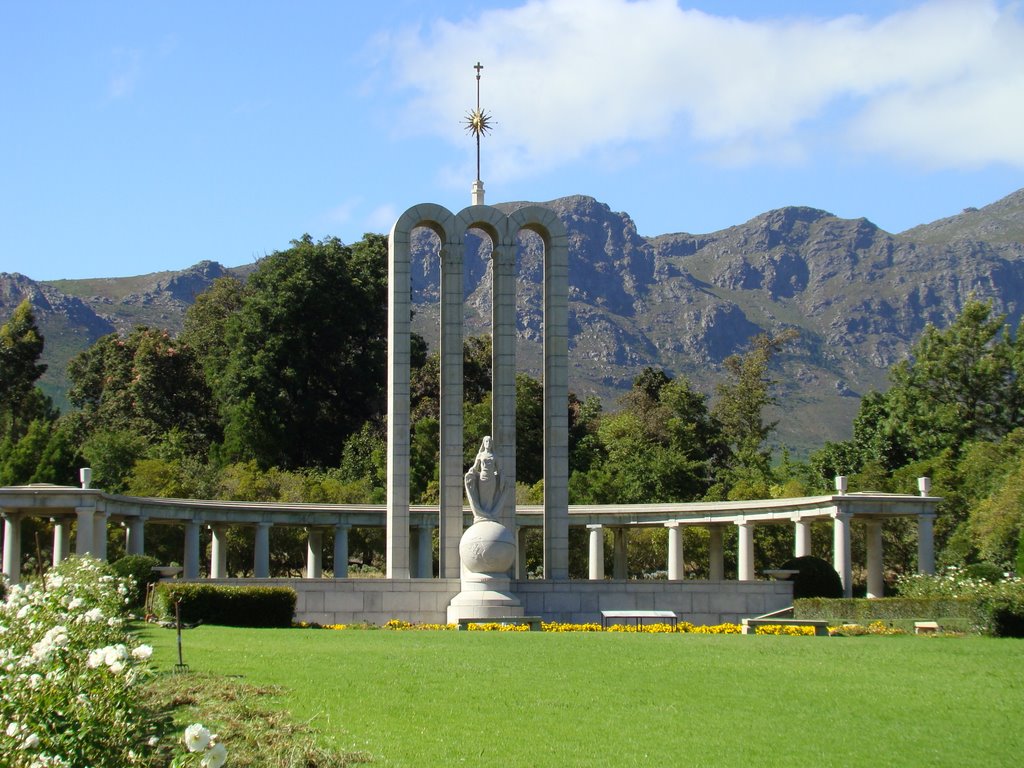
145, 136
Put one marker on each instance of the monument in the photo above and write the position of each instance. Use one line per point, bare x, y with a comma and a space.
487, 550
496, 508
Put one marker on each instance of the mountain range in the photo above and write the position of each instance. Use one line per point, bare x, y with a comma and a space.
857, 295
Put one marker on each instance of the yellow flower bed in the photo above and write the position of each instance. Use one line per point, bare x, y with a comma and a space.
683, 627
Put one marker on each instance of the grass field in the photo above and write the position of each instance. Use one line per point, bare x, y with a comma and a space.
550, 699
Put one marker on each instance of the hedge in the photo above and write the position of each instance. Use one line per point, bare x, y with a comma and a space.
998, 617
227, 606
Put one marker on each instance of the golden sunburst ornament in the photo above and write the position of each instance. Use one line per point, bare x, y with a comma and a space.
478, 122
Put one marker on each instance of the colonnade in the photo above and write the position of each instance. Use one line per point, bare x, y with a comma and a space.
841, 548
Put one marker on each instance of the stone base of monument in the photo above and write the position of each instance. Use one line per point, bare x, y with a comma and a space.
487, 551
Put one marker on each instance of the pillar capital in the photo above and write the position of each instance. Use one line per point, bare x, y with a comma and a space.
673, 524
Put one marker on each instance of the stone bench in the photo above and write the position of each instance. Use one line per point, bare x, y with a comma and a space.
534, 621
926, 627
639, 616
820, 625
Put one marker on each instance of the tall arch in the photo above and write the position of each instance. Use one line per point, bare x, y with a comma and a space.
545, 223
502, 231
441, 221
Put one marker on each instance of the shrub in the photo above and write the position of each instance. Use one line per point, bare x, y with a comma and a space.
69, 673
989, 572
228, 606
816, 578
138, 568
865, 611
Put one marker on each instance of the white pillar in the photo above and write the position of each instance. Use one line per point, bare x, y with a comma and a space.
83, 530
745, 560
190, 566
802, 542
503, 362
451, 473
596, 552
423, 557
218, 551
716, 553
61, 540
134, 536
876, 576
620, 568
522, 573
676, 562
841, 550
12, 546
261, 552
341, 551
314, 553
926, 543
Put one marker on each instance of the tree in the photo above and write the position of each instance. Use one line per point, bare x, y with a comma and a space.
307, 360
662, 446
739, 408
21, 346
206, 323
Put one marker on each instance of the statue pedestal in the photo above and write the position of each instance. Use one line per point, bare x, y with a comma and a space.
487, 551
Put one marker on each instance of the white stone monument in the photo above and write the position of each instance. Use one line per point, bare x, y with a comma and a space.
487, 549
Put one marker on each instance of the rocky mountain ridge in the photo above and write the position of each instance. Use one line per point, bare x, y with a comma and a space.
858, 296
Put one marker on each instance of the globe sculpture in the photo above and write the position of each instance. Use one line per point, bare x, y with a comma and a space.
487, 549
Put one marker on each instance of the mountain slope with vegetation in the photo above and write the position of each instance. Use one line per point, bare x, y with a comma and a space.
856, 295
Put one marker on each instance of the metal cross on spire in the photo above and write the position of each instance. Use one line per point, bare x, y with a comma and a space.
478, 123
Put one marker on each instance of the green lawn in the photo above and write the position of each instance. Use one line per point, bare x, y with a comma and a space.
550, 699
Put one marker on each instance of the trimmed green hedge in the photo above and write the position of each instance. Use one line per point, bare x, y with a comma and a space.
227, 606
998, 617
862, 610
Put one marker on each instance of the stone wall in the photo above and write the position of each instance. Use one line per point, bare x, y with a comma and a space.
425, 601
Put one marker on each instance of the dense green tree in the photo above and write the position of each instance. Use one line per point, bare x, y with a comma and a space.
21, 345
306, 366
739, 407
206, 322
663, 445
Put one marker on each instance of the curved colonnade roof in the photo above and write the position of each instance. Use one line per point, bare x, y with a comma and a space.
53, 500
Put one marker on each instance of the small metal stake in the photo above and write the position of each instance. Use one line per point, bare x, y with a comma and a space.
181, 666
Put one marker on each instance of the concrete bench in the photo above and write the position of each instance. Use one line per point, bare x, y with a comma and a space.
926, 627
533, 621
820, 625
639, 616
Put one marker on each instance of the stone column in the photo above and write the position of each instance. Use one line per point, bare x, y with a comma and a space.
61, 540
522, 573
190, 566
83, 530
99, 534
12, 545
841, 550
545, 223
135, 536
620, 557
314, 553
802, 543
503, 361
716, 553
450, 469
676, 561
926, 543
596, 552
745, 561
261, 551
341, 551
876, 576
218, 551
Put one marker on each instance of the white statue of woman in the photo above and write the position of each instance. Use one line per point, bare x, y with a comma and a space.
486, 487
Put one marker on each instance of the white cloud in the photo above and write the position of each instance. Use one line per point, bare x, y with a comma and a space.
381, 218
939, 84
123, 82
